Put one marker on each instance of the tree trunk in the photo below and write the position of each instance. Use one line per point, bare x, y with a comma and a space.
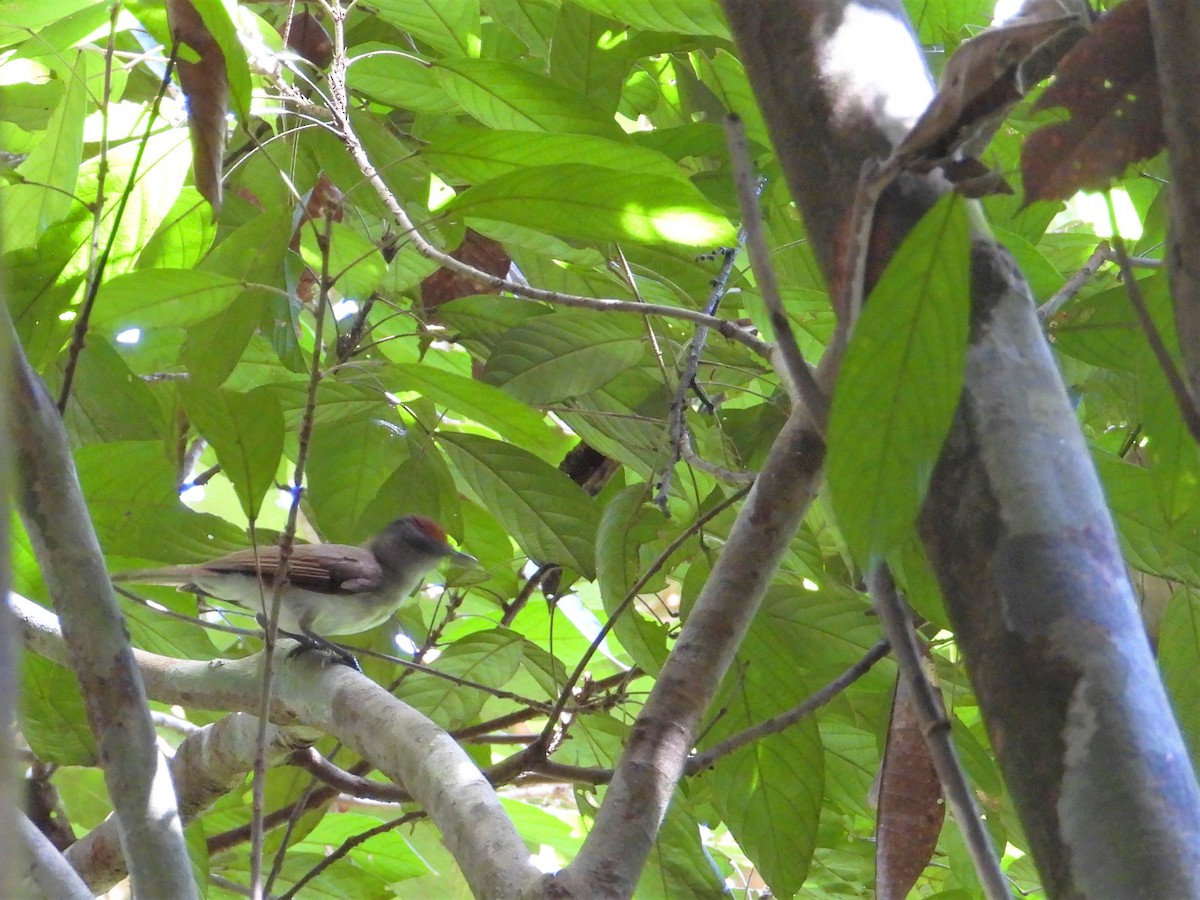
1015, 523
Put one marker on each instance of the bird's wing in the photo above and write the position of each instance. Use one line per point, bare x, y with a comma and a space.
327, 568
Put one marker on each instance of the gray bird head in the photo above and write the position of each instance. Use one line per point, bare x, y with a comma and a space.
411, 546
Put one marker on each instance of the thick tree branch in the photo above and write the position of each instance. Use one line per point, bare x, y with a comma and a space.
208, 763
1176, 27
10, 680
47, 870
399, 741
657, 749
60, 530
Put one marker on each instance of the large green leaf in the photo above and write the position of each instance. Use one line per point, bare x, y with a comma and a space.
475, 155
679, 864
53, 715
553, 358
162, 298
680, 16
398, 78
387, 855
506, 96
770, 792
546, 513
355, 264
489, 658
349, 461
586, 55
51, 170
108, 402
1179, 659
451, 26
625, 525
599, 204
131, 490
486, 405
899, 384
246, 432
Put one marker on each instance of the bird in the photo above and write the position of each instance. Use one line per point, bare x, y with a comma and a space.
332, 589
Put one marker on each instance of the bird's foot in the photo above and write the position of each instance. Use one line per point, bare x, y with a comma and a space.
311, 641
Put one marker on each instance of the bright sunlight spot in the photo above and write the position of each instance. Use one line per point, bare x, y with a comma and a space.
810, 585
192, 494
675, 226
1089, 211
68, 316
129, 336
344, 308
440, 193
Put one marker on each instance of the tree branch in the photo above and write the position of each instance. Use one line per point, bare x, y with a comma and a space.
657, 749
60, 530
399, 741
1176, 28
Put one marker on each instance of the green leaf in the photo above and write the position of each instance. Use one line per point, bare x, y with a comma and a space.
421, 485
556, 357
770, 792
246, 432
673, 16
53, 714
162, 298
131, 492
547, 514
151, 630
108, 402
679, 865
505, 96
585, 57
489, 658
900, 383
451, 26
486, 405
625, 526
397, 78
51, 171
475, 155
350, 459
1179, 659
214, 347
599, 204
183, 237
387, 855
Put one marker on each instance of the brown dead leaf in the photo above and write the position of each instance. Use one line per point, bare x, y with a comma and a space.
206, 85
476, 250
1108, 85
984, 78
911, 811
307, 36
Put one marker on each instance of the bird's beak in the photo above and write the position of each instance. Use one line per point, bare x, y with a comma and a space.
466, 560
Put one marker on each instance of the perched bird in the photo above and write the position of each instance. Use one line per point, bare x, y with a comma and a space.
331, 589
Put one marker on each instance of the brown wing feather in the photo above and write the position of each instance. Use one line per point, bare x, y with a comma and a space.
318, 567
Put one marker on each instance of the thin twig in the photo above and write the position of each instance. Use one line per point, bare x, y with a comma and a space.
1183, 396
345, 848
286, 543
347, 782
1064, 294
795, 368
701, 761
96, 272
339, 106
677, 418
634, 590
927, 701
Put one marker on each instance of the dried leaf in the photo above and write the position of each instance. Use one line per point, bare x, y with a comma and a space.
307, 36
980, 84
911, 810
206, 84
476, 250
1108, 84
